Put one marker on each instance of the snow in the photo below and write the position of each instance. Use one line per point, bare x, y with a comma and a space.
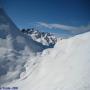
15, 49
25, 65
47, 39
65, 67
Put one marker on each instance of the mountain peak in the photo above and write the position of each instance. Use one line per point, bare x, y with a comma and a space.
16, 48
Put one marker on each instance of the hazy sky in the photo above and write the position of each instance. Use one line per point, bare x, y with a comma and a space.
67, 12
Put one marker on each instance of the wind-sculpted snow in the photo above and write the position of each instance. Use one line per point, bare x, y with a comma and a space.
65, 67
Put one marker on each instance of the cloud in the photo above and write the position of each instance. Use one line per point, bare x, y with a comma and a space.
72, 29
57, 26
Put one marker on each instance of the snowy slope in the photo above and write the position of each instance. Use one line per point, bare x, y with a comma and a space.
65, 67
15, 49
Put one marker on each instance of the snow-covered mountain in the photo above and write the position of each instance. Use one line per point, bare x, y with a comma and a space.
24, 64
15, 49
42, 37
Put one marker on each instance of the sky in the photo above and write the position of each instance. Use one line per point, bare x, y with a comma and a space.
25, 13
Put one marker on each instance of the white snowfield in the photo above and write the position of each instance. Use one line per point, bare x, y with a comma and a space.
65, 67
